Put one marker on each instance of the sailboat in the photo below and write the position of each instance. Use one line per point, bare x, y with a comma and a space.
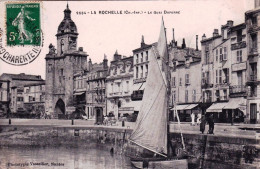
151, 131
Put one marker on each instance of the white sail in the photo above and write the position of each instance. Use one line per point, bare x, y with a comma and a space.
151, 127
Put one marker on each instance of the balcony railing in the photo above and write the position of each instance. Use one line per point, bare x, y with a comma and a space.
237, 89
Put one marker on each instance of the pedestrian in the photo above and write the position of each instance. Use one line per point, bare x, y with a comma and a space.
202, 124
192, 119
199, 119
211, 124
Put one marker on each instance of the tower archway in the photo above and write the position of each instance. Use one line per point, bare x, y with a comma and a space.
60, 107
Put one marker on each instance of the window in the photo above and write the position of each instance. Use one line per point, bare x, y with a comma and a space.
186, 96
239, 56
146, 73
226, 72
137, 57
216, 55
217, 77
239, 35
203, 78
174, 96
187, 80
173, 81
220, 76
142, 70
194, 95
41, 98
254, 43
225, 53
220, 55
225, 94
207, 57
180, 82
61, 72
27, 90
112, 87
20, 99
142, 57
136, 72
146, 56
127, 86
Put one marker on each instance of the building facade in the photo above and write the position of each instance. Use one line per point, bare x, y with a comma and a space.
95, 79
4, 97
34, 99
141, 57
119, 85
15, 90
253, 101
185, 87
61, 65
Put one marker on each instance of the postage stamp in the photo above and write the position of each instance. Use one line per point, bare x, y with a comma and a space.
23, 24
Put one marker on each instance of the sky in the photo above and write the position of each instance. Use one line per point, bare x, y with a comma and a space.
101, 34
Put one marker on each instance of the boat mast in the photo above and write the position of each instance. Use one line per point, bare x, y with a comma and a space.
168, 93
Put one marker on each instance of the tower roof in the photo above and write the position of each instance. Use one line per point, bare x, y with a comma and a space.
67, 25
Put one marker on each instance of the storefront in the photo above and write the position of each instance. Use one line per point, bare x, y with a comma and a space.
185, 111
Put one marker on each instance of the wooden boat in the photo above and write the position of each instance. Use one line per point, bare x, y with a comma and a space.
151, 131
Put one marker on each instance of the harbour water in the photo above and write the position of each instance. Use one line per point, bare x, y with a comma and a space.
61, 158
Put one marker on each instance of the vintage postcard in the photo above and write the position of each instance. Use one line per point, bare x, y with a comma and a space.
130, 84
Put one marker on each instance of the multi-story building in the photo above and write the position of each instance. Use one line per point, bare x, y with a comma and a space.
61, 65
34, 99
141, 57
185, 86
223, 71
119, 85
253, 38
4, 97
16, 88
95, 78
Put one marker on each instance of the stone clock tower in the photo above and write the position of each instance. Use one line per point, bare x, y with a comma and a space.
61, 64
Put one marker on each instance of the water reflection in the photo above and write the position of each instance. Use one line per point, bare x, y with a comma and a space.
61, 157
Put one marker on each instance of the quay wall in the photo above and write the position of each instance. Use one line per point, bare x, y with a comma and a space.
202, 151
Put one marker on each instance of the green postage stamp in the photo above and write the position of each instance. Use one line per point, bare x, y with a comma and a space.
23, 24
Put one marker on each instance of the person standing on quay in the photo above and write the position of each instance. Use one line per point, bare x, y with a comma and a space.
211, 124
202, 124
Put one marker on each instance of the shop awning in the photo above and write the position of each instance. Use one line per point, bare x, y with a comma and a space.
191, 106
180, 107
131, 106
237, 103
79, 93
216, 107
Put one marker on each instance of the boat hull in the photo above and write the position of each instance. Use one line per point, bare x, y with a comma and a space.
161, 164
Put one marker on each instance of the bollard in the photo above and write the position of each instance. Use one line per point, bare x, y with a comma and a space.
72, 122
10, 122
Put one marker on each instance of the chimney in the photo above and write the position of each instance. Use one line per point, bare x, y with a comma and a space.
230, 23
80, 49
90, 64
173, 38
142, 42
105, 66
183, 43
215, 32
197, 43
257, 3
204, 37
